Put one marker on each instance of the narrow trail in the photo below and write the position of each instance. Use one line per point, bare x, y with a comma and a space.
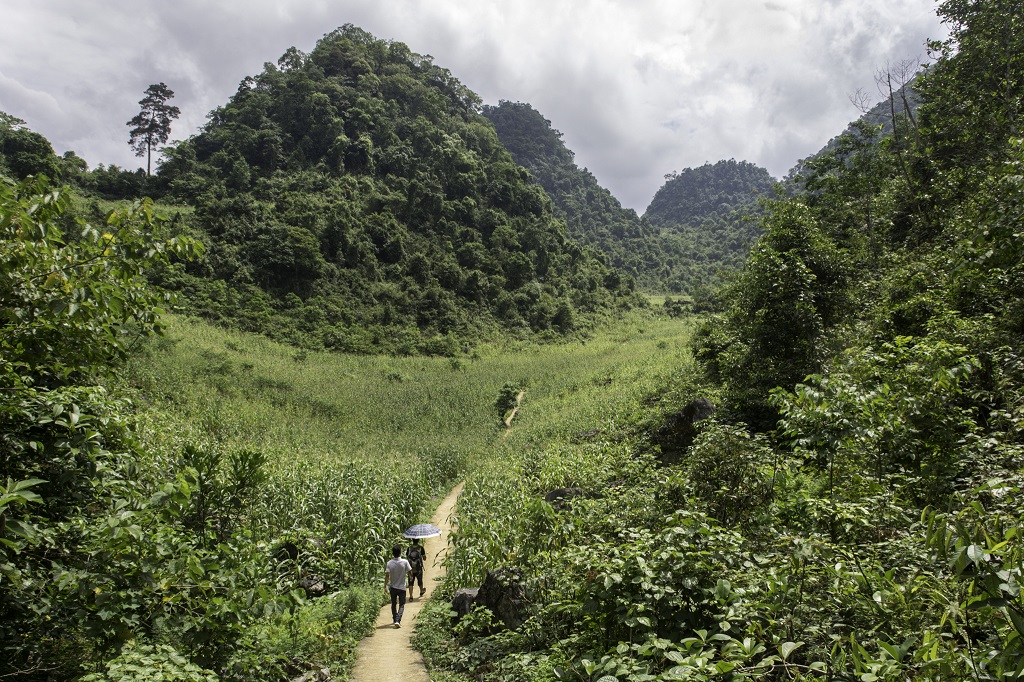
387, 655
511, 415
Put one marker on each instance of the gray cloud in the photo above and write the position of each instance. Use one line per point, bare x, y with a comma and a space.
638, 87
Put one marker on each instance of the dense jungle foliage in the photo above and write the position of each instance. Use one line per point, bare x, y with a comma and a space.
592, 215
205, 504
710, 215
355, 199
699, 225
853, 508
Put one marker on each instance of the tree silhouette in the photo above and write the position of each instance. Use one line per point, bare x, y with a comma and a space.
152, 125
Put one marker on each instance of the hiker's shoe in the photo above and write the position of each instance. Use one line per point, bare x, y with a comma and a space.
422, 591
397, 625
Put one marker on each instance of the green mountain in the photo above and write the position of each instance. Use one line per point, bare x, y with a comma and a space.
720, 193
699, 224
696, 226
710, 213
591, 214
354, 198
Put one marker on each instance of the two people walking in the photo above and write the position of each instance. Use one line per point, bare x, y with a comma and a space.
396, 573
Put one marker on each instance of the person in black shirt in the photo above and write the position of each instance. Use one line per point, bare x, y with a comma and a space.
415, 556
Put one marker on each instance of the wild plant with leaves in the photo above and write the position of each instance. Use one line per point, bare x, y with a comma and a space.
852, 511
93, 554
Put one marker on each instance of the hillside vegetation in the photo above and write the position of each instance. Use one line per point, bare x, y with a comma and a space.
592, 215
354, 199
710, 213
698, 227
852, 510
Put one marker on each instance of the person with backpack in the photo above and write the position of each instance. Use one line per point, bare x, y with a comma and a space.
415, 556
394, 576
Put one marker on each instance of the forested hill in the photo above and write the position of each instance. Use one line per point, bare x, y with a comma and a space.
722, 193
713, 210
592, 215
354, 198
697, 228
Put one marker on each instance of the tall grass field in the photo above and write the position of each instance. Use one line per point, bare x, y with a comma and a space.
357, 448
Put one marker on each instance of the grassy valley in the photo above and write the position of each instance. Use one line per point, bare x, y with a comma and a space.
358, 447
819, 480
247, 391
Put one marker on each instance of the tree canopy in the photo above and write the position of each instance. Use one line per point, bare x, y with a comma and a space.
24, 152
354, 198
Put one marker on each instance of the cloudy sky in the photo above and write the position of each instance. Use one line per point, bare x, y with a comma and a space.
639, 88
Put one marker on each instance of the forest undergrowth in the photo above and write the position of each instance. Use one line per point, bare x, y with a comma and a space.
852, 509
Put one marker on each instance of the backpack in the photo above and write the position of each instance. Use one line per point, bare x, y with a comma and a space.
415, 555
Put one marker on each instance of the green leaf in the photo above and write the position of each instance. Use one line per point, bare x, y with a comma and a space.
27, 483
786, 648
890, 649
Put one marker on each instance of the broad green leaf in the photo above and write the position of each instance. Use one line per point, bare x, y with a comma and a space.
786, 648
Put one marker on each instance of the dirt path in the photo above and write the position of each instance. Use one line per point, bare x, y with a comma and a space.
387, 654
508, 420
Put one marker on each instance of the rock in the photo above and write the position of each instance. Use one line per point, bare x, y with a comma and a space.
586, 435
322, 675
677, 432
504, 593
314, 586
559, 498
464, 601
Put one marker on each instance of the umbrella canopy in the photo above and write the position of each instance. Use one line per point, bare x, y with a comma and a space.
421, 531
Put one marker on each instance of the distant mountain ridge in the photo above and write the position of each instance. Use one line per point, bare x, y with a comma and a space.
695, 229
592, 215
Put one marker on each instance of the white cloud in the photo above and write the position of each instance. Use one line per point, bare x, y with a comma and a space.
638, 87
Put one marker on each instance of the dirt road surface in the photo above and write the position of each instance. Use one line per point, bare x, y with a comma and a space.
387, 655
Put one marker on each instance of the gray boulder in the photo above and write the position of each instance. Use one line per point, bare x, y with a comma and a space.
677, 432
464, 601
504, 593
560, 498
314, 586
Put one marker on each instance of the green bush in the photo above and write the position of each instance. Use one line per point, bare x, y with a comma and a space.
149, 663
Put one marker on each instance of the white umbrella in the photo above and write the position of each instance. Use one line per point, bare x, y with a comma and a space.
422, 531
